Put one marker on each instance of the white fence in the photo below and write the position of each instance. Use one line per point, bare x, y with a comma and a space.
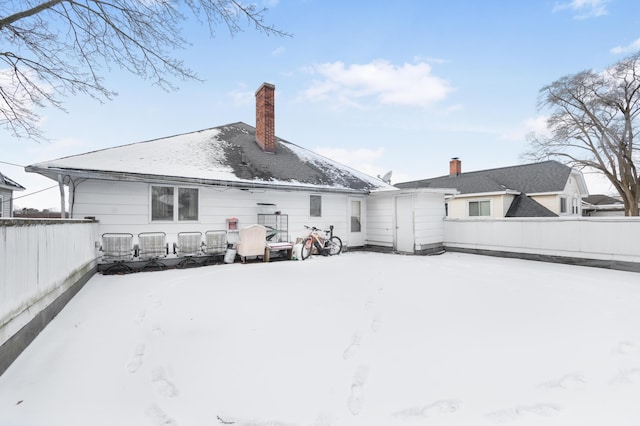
39, 261
612, 240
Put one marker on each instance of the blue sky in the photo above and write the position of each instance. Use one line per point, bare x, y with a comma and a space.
401, 86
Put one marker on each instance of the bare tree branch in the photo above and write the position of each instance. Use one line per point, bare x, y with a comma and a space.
593, 122
56, 48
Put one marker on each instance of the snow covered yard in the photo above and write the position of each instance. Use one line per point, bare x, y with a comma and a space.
356, 339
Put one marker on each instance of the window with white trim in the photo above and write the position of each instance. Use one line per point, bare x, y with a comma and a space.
315, 205
164, 200
356, 216
479, 208
1, 205
563, 205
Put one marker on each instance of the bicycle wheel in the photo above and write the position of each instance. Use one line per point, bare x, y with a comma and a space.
335, 245
307, 247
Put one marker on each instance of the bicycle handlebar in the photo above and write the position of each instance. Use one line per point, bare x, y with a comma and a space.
313, 228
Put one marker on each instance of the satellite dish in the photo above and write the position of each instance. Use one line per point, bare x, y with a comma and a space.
387, 177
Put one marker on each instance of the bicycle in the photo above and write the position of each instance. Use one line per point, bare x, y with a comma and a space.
326, 245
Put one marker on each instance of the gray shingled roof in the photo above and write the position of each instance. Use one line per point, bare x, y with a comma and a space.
224, 155
601, 199
9, 183
524, 206
547, 176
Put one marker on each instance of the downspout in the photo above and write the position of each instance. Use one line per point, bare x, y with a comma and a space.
72, 196
61, 186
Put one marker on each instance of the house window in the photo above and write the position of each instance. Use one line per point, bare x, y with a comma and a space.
563, 205
479, 208
161, 203
356, 225
164, 198
187, 204
574, 206
315, 206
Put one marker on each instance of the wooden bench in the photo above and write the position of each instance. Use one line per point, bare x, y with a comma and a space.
278, 247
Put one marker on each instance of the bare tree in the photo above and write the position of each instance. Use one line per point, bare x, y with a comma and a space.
54, 48
593, 123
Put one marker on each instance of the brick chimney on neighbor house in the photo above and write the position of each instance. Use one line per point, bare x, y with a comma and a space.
455, 166
265, 117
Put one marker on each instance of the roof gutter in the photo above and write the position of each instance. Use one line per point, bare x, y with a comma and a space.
488, 194
54, 172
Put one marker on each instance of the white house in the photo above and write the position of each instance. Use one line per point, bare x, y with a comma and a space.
545, 189
7, 187
199, 181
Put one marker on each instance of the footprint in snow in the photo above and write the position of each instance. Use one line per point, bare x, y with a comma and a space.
355, 402
136, 362
568, 381
159, 417
375, 324
140, 317
157, 330
512, 414
163, 385
353, 347
438, 408
626, 377
370, 303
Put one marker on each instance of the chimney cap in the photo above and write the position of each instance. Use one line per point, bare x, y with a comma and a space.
265, 84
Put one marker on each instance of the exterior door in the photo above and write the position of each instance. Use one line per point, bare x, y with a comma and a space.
405, 237
356, 222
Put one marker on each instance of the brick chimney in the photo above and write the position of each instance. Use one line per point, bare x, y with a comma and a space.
455, 166
265, 118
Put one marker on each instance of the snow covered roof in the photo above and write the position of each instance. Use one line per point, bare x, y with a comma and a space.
10, 184
226, 155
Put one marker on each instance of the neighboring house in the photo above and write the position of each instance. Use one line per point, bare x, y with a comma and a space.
545, 189
602, 205
203, 180
7, 187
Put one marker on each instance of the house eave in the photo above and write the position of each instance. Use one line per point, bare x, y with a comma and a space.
12, 188
403, 191
54, 172
488, 194
540, 194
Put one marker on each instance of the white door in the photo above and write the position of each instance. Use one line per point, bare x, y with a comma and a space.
356, 222
404, 224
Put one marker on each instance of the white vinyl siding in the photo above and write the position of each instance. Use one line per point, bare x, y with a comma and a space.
126, 207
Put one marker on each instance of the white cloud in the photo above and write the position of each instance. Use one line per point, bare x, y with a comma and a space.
361, 159
583, 9
278, 51
537, 125
58, 148
631, 47
359, 84
242, 96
